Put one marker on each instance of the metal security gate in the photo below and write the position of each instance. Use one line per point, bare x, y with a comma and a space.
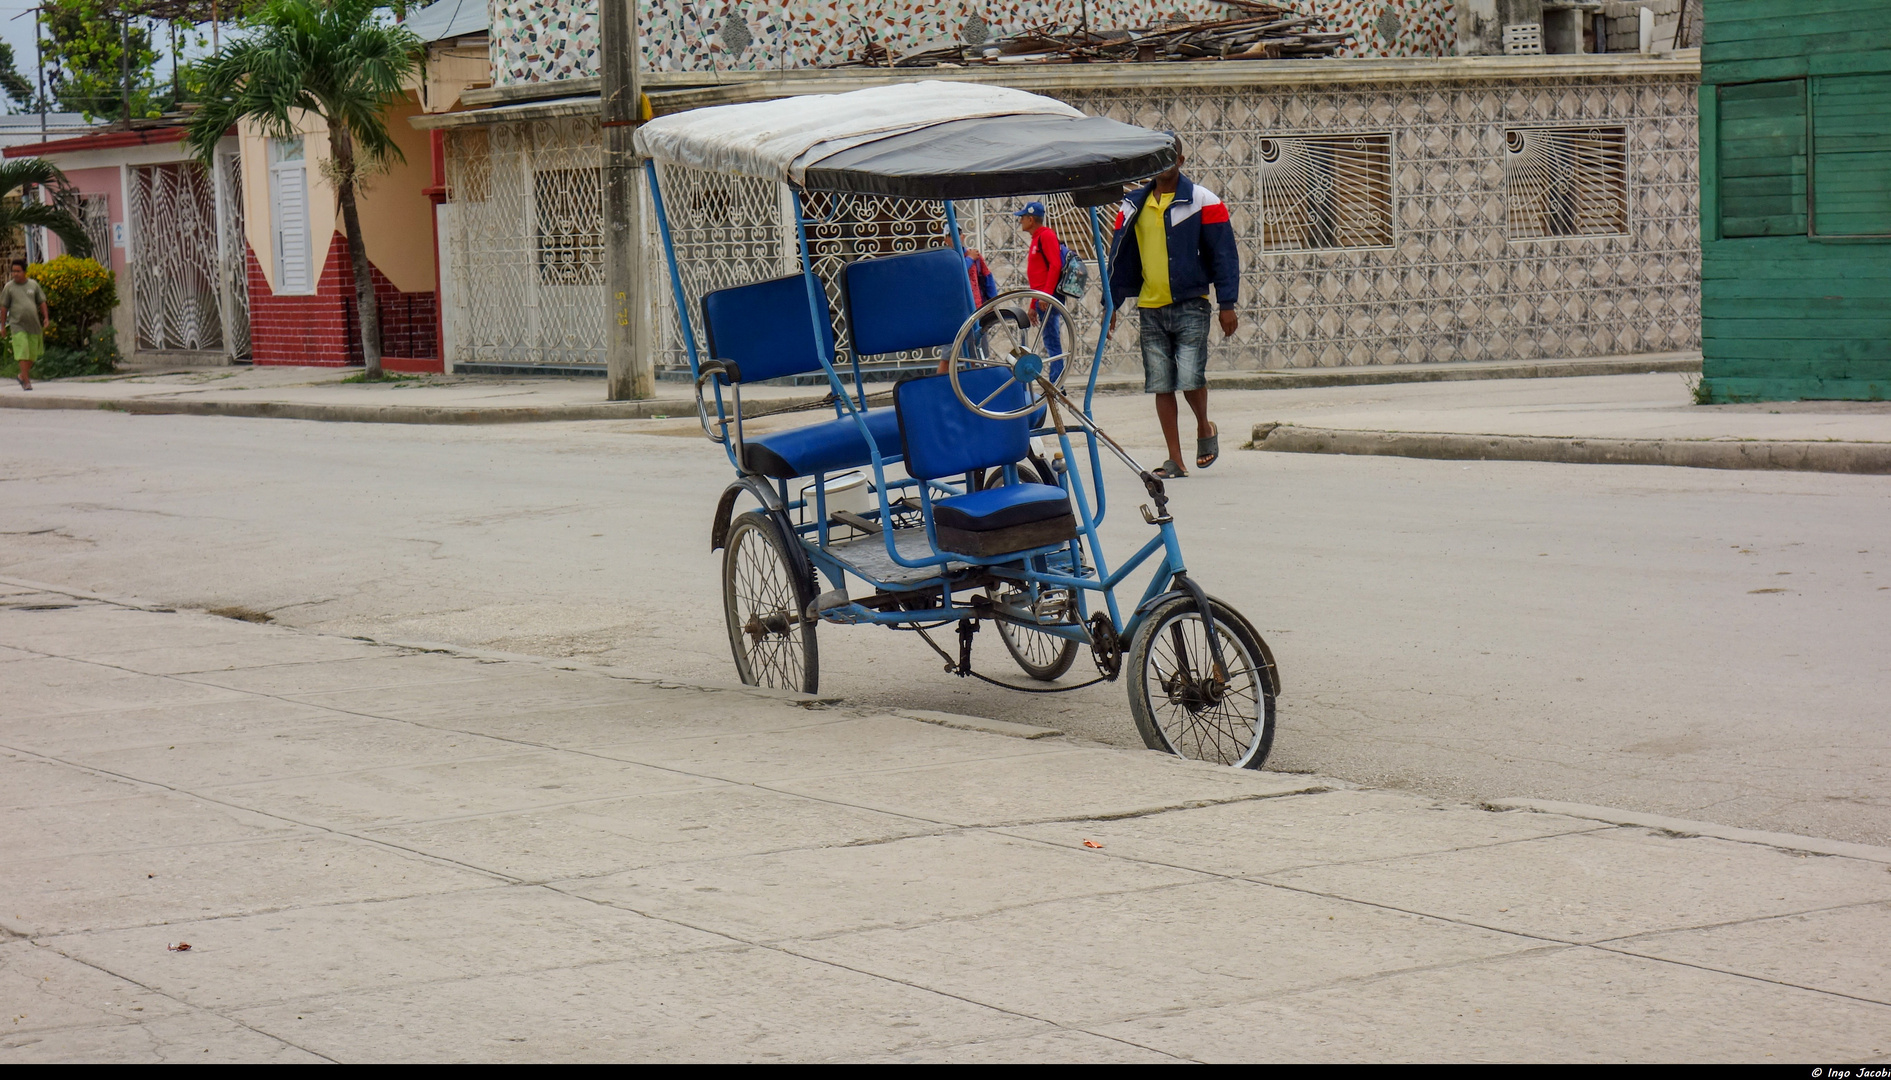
175, 258
526, 249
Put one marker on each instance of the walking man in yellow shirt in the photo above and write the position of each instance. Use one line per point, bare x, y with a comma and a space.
27, 320
1173, 241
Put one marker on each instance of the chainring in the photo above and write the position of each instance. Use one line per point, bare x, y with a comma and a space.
1106, 646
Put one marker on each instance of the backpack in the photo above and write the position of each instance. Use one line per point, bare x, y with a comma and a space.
1075, 276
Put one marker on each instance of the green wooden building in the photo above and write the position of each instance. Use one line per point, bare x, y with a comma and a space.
1796, 200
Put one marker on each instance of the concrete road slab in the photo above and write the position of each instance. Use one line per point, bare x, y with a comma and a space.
196, 1038
609, 836
498, 694
231, 655
1098, 959
821, 891
44, 990
354, 948
387, 671
1057, 1046
519, 780
847, 745
237, 717
90, 629
1271, 835
1554, 1005
59, 687
1592, 886
1062, 784
1838, 950
335, 744
154, 819
28, 781
669, 713
8, 655
115, 890
737, 1004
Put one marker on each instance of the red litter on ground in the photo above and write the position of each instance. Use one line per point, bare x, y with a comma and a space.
1092, 844
182, 946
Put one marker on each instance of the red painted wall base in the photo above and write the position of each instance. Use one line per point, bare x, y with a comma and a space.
419, 365
318, 330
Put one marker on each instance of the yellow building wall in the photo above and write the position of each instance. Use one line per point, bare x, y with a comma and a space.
396, 218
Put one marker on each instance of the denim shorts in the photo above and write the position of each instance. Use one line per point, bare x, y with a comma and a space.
1175, 346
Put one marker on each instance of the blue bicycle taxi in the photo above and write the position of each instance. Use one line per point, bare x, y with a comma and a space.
975, 494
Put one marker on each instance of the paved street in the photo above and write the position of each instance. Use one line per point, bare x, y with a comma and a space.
374, 853
1705, 644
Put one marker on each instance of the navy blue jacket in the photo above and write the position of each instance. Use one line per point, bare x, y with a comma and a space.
1201, 246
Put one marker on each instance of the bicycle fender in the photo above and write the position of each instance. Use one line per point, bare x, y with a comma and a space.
725, 508
1267, 652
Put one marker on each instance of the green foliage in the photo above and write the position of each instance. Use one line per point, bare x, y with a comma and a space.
80, 295
339, 59
56, 210
84, 52
16, 86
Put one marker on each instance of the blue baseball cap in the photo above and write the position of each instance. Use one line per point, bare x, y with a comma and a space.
1031, 209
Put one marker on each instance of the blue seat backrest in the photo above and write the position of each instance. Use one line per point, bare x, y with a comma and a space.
939, 436
767, 328
915, 301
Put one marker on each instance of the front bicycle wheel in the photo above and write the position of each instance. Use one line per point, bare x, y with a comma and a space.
1182, 706
764, 602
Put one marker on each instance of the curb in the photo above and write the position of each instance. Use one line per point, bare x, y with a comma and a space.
674, 408
1683, 827
390, 414
1388, 374
1832, 457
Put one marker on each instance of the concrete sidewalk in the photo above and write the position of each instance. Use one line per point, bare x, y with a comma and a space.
1626, 420
293, 393
382, 853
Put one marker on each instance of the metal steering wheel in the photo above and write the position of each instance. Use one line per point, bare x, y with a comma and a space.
1025, 355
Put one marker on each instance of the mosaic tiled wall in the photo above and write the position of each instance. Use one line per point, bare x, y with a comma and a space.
1452, 286
535, 40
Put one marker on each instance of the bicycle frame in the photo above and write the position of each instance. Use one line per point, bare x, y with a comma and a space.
1030, 570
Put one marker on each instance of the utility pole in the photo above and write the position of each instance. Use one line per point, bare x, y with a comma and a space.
630, 368
39, 61
124, 63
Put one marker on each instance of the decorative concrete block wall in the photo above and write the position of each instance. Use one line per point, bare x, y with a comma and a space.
1452, 285
538, 40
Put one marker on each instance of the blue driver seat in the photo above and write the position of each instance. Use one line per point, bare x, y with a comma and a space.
768, 330
941, 437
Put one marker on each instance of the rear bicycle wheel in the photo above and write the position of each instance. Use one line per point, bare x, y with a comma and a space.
763, 600
1181, 706
1044, 657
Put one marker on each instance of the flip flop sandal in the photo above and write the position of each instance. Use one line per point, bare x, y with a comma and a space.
1169, 470
24, 385
1208, 451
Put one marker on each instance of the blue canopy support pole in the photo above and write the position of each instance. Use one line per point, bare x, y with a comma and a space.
817, 311
1109, 307
676, 279
958, 245
682, 299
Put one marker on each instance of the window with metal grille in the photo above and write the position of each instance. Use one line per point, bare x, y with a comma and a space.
1566, 182
1326, 191
96, 213
569, 205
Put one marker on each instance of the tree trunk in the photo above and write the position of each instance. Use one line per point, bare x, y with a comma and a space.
342, 145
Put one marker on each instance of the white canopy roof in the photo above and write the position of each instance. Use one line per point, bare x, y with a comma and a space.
778, 140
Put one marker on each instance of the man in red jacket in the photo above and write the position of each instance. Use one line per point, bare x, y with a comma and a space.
1043, 268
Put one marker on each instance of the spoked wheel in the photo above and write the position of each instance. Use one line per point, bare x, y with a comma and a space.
1044, 657
764, 601
1180, 704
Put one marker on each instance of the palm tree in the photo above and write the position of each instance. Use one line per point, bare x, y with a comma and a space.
335, 59
53, 211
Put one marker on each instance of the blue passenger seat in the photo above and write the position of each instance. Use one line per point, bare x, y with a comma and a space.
940, 437
769, 330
